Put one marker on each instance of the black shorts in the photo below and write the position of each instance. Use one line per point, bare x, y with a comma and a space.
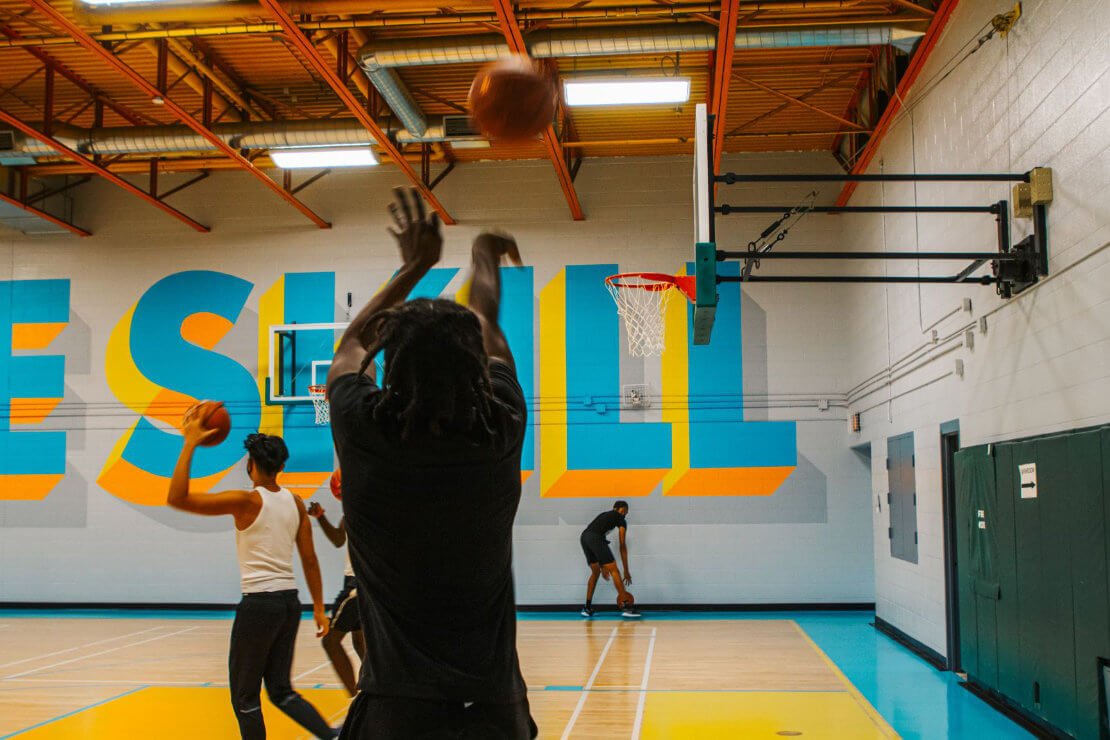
344, 612
596, 548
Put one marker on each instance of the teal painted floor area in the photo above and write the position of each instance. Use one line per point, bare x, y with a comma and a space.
916, 699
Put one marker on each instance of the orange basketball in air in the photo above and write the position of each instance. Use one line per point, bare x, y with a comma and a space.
512, 99
336, 485
213, 415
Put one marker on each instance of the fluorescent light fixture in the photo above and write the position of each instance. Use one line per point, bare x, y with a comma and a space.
468, 143
317, 156
147, 2
626, 91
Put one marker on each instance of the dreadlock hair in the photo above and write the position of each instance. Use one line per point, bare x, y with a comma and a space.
436, 378
268, 451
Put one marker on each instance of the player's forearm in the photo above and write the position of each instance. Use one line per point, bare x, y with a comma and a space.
485, 300
179, 483
395, 292
624, 559
335, 535
485, 286
312, 577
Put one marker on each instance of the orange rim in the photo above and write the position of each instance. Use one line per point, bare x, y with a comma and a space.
655, 281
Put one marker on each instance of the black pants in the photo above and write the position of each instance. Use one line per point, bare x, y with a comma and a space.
374, 717
262, 640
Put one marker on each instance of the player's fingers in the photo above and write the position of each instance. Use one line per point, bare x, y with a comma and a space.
435, 222
404, 205
418, 204
395, 213
394, 233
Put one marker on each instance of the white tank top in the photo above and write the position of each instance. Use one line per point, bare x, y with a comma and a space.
266, 546
348, 570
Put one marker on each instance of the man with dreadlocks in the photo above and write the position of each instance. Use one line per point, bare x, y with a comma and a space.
431, 484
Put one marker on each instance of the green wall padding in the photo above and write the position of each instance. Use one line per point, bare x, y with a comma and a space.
1034, 584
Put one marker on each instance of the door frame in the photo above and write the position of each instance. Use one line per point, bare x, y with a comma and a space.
949, 446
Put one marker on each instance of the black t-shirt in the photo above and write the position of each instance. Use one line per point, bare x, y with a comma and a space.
429, 523
604, 522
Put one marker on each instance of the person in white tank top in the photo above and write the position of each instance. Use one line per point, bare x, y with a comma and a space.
345, 616
269, 522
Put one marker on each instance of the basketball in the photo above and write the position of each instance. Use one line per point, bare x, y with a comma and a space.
512, 99
336, 489
214, 416
626, 601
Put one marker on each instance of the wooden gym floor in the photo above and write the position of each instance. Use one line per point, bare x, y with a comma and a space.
127, 675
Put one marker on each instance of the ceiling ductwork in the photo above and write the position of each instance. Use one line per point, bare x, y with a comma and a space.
253, 135
379, 60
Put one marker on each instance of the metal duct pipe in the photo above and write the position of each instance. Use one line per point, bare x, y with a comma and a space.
378, 61
247, 135
615, 41
399, 99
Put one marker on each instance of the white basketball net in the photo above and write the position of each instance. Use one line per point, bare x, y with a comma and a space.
319, 396
641, 304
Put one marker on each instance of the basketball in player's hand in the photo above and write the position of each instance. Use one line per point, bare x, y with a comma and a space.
512, 99
625, 600
336, 485
213, 415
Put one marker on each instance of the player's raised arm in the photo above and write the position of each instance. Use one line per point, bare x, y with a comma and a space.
420, 241
485, 290
236, 503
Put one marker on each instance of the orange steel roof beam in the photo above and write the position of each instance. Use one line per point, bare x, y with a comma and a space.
44, 215
90, 166
509, 26
130, 116
327, 72
901, 92
722, 70
91, 45
796, 101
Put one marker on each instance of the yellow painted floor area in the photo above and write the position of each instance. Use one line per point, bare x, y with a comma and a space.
687, 715
179, 713
106, 679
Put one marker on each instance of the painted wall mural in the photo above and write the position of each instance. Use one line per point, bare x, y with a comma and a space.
165, 352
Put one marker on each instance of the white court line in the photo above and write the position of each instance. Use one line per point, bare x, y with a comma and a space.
108, 682
637, 727
87, 644
310, 671
102, 652
589, 684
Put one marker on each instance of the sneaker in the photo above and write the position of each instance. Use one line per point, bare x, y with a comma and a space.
587, 611
630, 613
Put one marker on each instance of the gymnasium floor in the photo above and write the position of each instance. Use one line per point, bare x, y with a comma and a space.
674, 675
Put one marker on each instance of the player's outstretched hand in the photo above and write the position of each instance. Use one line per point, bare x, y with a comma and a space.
498, 245
315, 510
418, 235
628, 579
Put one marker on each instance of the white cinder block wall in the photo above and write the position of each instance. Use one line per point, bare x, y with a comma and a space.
1039, 97
812, 543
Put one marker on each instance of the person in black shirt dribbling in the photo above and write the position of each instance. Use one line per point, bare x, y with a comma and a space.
430, 455
600, 558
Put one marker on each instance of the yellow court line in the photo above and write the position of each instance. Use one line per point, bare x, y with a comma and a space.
860, 699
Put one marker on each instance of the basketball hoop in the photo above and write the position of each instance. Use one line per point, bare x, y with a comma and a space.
641, 299
319, 395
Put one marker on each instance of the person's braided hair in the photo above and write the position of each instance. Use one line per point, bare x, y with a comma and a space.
436, 380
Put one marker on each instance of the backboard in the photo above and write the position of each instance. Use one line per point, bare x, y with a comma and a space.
298, 356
